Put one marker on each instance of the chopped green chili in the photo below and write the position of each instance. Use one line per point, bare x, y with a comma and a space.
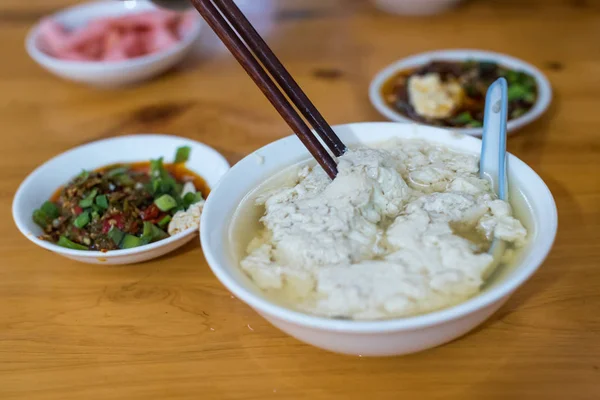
116, 235
165, 202
64, 242
82, 220
165, 221
50, 209
41, 218
88, 200
130, 241
102, 201
152, 233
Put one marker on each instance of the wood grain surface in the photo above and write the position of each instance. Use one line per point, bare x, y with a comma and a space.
167, 329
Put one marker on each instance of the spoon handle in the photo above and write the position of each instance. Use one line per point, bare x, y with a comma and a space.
492, 165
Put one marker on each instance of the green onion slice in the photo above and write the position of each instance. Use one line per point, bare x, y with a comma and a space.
64, 242
165, 202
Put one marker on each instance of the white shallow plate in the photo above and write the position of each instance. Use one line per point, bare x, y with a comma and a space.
108, 73
372, 338
541, 105
46, 179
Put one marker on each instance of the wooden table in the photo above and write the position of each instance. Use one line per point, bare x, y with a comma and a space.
168, 329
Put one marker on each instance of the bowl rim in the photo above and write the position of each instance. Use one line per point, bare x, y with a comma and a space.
44, 58
481, 300
21, 225
540, 107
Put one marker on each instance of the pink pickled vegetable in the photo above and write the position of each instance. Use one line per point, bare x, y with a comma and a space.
117, 38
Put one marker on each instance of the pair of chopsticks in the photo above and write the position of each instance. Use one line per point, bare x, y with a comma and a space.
250, 50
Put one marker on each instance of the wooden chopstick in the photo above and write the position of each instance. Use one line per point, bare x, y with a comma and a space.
266, 56
253, 68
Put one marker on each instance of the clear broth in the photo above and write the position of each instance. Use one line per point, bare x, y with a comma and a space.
245, 225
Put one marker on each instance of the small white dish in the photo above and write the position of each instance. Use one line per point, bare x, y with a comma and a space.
41, 184
108, 73
541, 105
372, 338
415, 7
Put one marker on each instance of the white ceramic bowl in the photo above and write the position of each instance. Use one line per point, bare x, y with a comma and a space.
372, 338
46, 179
104, 73
415, 7
541, 105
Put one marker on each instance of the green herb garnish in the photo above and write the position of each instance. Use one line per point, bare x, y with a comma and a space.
88, 200
117, 171
191, 198
156, 168
520, 92
462, 118
83, 175
182, 154
124, 180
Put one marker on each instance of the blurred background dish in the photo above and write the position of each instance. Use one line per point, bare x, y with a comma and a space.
447, 88
112, 43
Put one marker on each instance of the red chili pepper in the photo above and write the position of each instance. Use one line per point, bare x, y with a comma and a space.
78, 210
115, 220
150, 213
133, 228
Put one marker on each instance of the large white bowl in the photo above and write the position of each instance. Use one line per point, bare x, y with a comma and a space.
372, 338
540, 106
47, 178
108, 73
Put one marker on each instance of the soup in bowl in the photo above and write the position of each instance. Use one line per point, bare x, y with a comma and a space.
232, 222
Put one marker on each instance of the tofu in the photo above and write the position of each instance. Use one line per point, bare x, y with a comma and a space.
432, 98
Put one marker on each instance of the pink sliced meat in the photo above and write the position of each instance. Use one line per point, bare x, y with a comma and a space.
54, 36
188, 21
113, 47
161, 39
133, 44
117, 38
85, 36
72, 56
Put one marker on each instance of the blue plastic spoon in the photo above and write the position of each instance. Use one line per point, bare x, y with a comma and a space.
492, 164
